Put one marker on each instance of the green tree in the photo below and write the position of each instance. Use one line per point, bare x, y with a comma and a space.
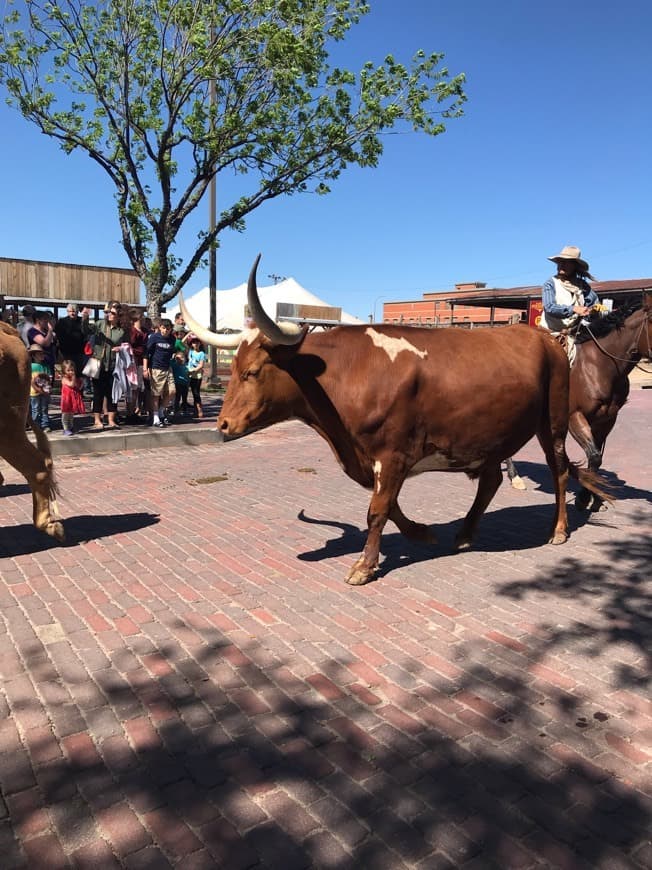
129, 83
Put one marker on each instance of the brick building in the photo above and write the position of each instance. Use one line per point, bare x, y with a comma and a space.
474, 304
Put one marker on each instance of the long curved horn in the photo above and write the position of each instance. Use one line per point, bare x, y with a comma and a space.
226, 342
276, 333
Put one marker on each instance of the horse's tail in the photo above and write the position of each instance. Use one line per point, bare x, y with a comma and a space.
592, 481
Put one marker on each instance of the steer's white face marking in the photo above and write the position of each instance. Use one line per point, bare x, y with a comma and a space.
378, 467
393, 346
249, 335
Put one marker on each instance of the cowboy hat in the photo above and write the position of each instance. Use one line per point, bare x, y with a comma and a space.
570, 252
35, 348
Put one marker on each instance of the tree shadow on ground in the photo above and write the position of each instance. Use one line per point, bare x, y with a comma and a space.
254, 758
620, 596
24, 539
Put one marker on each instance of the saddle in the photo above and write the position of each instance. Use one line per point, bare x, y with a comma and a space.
566, 339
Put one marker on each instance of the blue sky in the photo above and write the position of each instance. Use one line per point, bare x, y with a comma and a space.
554, 149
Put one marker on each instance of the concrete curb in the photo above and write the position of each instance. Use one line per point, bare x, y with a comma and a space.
136, 437
133, 439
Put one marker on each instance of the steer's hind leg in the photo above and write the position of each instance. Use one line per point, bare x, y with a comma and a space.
419, 532
555, 452
488, 482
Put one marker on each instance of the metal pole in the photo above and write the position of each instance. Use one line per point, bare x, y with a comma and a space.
212, 261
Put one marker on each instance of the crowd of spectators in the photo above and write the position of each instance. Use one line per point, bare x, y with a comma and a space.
122, 360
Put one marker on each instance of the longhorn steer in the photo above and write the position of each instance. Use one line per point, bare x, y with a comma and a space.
394, 401
33, 462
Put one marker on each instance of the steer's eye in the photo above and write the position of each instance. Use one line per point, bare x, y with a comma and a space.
249, 373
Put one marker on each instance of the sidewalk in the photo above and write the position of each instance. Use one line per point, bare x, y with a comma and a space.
188, 431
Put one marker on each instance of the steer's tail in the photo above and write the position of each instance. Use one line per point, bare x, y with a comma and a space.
592, 481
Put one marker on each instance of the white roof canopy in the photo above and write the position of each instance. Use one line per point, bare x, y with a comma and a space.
230, 304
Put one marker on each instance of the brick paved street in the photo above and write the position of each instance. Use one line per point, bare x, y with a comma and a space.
190, 683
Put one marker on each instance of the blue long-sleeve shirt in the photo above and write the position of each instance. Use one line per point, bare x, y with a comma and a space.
551, 307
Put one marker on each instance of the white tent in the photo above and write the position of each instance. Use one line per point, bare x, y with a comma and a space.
230, 304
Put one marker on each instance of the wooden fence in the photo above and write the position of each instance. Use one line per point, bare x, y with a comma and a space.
46, 283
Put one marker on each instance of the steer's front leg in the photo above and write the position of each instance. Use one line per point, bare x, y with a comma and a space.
387, 483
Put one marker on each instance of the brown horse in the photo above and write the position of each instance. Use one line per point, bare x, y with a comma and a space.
34, 462
607, 348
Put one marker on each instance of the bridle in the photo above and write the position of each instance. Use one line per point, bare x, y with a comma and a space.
644, 322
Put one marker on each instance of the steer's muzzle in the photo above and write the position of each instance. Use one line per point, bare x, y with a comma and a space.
230, 428
226, 428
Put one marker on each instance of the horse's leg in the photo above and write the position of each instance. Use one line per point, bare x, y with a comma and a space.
489, 480
600, 436
514, 477
35, 464
581, 431
413, 531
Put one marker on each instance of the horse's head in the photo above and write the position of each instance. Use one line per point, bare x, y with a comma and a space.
645, 342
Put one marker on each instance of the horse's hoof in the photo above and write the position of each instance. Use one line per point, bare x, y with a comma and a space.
462, 544
582, 501
598, 506
518, 483
359, 574
558, 538
55, 530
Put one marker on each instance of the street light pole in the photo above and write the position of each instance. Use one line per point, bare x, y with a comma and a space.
376, 300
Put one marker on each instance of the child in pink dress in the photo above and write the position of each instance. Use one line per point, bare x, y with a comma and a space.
72, 400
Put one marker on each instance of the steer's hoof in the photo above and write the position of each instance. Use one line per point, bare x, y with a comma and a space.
360, 574
558, 538
55, 530
461, 543
518, 483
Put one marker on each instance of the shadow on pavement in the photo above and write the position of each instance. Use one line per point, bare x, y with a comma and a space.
624, 607
228, 750
10, 489
502, 529
539, 474
22, 539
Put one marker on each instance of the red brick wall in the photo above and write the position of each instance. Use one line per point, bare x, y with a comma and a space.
428, 311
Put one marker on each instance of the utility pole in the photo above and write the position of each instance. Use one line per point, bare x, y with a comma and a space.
212, 253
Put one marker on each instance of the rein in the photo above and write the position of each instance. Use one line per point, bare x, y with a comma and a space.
637, 365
